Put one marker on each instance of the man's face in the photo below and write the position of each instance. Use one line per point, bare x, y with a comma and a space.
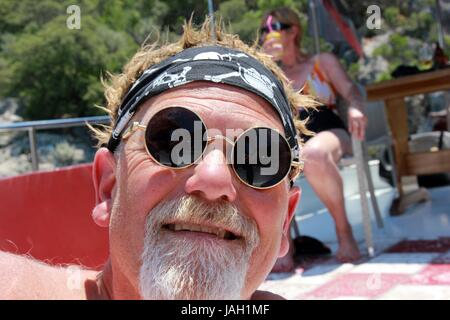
151, 202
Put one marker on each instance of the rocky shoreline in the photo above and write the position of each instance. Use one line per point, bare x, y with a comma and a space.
56, 148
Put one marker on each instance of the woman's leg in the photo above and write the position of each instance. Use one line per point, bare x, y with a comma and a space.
322, 153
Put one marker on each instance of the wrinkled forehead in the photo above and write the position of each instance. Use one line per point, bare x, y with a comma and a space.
216, 102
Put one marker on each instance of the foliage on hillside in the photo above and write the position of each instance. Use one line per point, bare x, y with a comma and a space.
56, 71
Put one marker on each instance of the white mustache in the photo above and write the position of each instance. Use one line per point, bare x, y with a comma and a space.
191, 209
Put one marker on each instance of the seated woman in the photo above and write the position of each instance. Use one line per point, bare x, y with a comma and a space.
321, 76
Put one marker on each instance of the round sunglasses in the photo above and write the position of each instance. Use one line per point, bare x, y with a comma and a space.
177, 137
276, 26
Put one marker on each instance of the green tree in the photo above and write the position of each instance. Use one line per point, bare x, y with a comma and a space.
57, 71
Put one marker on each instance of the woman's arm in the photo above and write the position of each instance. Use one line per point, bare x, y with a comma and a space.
336, 74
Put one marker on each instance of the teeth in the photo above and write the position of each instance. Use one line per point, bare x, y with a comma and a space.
221, 233
209, 230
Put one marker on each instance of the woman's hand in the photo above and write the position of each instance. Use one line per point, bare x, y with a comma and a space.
357, 123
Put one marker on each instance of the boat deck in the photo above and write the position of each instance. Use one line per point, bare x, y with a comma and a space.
412, 258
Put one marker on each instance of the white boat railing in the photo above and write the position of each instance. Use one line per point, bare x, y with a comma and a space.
33, 126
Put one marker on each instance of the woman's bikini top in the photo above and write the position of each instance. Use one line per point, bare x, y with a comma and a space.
318, 85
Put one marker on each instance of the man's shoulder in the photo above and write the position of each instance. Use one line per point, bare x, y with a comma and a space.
23, 277
266, 295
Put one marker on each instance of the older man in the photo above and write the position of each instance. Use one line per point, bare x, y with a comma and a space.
195, 181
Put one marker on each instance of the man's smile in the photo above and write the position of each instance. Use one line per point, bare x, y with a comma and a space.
184, 227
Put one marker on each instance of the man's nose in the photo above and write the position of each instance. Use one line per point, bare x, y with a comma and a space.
212, 178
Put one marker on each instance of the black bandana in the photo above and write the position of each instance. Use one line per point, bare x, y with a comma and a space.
215, 64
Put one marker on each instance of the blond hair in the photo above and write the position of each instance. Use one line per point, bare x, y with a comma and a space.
149, 55
285, 15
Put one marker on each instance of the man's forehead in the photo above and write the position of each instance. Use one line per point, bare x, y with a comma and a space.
213, 98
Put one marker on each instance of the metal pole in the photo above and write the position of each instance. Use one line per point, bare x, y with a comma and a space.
33, 149
313, 7
363, 187
211, 15
439, 25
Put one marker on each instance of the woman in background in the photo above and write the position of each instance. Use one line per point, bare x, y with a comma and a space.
323, 77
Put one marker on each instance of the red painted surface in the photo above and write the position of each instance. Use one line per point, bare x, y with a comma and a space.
357, 285
343, 26
48, 216
433, 274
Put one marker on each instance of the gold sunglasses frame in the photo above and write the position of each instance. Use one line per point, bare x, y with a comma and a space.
295, 170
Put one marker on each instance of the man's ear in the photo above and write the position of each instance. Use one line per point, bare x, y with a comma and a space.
294, 197
104, 177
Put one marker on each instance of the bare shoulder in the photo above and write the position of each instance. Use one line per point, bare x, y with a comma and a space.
266, 295
22, 277
328, 59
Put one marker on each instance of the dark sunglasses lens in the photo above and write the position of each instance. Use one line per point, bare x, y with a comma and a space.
275, 27
261, 157
279, 26
174, 137
284, 26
